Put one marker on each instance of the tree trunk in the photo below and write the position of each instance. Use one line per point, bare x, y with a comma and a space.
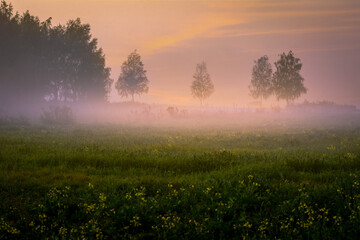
132, 98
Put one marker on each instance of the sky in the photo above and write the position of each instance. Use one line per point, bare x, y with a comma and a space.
229, 35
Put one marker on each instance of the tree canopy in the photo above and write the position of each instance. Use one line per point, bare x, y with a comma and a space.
287, 82
132, 79
260, 85
202, 86
39, 61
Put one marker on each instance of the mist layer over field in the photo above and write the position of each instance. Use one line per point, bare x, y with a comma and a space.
155, 115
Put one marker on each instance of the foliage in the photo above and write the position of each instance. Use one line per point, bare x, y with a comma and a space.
254, 208
58, 63
80, 69
287, 82
132, 79
57, 115
202, 87
260, 85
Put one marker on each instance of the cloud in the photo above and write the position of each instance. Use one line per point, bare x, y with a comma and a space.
304, 13
222, 33
280, 8
217, 15
194, 29
331, 49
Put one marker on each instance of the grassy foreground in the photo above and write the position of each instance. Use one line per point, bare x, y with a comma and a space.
108, 182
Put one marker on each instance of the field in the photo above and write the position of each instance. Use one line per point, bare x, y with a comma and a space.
142, 182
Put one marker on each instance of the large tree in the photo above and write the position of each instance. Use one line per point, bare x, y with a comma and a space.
22, 63
80, 65
202, 86
260, 85
132, 79
41, 62
287, 82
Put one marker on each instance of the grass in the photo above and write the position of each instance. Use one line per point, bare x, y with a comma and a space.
161, 182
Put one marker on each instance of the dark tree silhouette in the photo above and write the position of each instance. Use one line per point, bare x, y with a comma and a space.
39, 61
21, 57
260, 86
81, 73
287, 81
202, 87
132, 79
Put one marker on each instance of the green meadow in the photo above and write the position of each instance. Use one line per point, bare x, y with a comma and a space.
163, 182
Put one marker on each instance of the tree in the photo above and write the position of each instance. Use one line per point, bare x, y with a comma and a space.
260, 86
22, 80
40, 62
202, 87
287, 82
79, 66
132, 79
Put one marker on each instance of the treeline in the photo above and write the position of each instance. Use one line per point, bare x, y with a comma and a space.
40, 62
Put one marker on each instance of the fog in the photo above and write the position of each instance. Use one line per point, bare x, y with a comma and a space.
128, 114
297, 116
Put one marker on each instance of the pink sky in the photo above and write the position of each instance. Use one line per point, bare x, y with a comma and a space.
173, 36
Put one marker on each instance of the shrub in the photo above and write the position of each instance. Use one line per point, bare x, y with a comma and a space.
57, 115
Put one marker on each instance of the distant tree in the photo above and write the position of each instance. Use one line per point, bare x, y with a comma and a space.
202, 87
260, 86
132, 79
287, 82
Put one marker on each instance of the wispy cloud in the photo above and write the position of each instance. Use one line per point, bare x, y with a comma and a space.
222, 33
223, 14
330, 49
295, 12
195, 29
